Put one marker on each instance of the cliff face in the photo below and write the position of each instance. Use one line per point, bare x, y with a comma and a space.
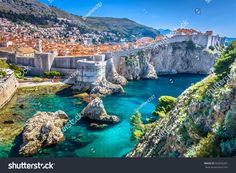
185, 57
202, 124
179, 57
112, 75
137, 66
182, 57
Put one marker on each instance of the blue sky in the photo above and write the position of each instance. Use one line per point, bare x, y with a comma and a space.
216, 15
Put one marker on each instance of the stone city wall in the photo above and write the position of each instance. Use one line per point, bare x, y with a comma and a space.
42, 62
8, 87
25, 61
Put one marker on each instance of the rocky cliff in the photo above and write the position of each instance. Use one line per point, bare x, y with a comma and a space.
172, 58
184, 57
202, 124
148, 63
112, 75
137, 66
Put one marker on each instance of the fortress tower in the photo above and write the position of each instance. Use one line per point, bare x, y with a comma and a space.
91, 71
38, 45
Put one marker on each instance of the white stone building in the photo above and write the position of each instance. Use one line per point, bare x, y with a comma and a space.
91, 71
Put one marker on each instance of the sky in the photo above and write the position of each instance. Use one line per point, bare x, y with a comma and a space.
216, 15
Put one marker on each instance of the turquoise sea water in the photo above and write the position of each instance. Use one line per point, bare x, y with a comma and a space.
114, 140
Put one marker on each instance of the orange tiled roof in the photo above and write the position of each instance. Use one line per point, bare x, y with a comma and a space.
186, 31
25, 50
7, 49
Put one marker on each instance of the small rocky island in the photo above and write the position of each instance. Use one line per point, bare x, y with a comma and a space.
42, 130
96, 111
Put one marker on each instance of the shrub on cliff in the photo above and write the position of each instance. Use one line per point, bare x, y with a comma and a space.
3, 64
166, 103
211, 48
207, 147
228, 147
231, 46
229, 123
2, 73
52, 74
222, 65
19, 71
190, 45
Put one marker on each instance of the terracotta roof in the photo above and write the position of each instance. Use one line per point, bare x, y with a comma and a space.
25, 50
144, 39
7, 49
186, 31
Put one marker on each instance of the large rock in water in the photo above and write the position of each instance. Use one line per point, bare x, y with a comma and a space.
96, 111
42, 130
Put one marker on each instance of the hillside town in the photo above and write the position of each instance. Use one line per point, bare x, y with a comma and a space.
24, 39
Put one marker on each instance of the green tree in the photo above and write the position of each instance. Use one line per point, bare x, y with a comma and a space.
190, 45
211, 48
222, 65
231, 46
2, 73
3, 64
137, 126
52, 74
166, 103
19, 71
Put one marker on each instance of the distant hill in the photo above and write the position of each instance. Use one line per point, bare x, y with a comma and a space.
37, 13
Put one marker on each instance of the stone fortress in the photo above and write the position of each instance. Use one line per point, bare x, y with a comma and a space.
90, 70
98, 68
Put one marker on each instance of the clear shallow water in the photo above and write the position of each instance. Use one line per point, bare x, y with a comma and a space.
114, 140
